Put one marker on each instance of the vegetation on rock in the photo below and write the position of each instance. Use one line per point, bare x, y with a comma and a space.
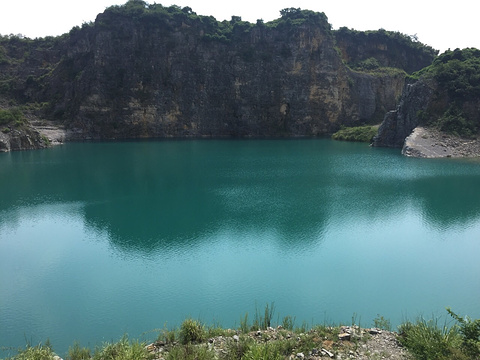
456, 78
358, 133
424, 339
428, 340
146, 70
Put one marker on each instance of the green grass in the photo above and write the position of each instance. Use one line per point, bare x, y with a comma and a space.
192, 331
358, 133
122, 350
424, 339
428, 340
38, 352
11, 115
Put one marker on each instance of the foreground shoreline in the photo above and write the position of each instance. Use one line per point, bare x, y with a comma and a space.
320, 342
193, 340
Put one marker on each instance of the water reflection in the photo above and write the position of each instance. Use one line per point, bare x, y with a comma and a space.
148, 196
188, 228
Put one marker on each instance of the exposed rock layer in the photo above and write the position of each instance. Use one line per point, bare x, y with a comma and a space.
431, 143
399, 123
135, 73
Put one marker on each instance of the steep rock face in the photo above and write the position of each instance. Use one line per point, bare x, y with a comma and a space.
399, 123
149, 71
141, 80
389, 49
24, 138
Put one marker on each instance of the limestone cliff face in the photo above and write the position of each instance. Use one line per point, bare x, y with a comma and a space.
148, 71
23, 138
399, 123
383, 48
445, 98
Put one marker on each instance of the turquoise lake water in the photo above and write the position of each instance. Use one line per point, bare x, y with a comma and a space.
98, 240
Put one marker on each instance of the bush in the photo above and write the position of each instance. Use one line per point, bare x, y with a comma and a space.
358, 133
122, 350
8, 116
190, 352
427, 341
191, 331
381, 323
78, 353
39, 352
470, 331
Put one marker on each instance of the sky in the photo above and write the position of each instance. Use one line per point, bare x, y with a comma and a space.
442, 25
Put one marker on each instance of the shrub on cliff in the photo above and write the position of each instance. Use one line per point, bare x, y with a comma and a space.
357, 133
454, 107
12, 115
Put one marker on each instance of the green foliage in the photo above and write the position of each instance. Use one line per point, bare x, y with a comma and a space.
237, 349
368, 64
470, 332
11, 115
78, 353
263, 352
302, 328
216, 330
39, 352
388, 48
291, 17
454, 122
458, 72
457, 75
288, 323
358, 133
192, 331
426, 340
3, 56
191, 352
244, 327
263, 322
122, 350
381, 323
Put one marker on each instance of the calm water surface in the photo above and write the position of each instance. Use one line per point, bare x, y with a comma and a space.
102, 239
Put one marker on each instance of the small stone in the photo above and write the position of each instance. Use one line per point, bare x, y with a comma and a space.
344, 336
259, 333
300, 356
236, 338
328, 353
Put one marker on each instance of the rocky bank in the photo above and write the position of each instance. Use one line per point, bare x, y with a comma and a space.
431, 143
352, 342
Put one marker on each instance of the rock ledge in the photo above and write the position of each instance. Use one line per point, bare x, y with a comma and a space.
430, 143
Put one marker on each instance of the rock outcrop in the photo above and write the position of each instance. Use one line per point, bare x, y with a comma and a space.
399, 123
445, 100
431, 143
23, 138
148, 71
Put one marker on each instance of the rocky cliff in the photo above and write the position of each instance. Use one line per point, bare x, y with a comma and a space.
399, 123
445, 97
148, 71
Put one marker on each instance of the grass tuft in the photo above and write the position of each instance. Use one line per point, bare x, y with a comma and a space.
192, 331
